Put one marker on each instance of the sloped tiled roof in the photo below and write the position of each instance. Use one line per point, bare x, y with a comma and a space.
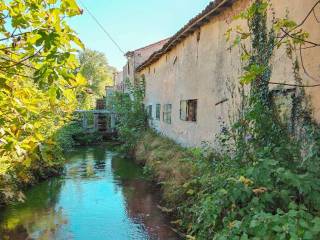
213, 9
159, 43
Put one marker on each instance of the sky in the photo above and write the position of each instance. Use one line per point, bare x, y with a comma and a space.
132, 23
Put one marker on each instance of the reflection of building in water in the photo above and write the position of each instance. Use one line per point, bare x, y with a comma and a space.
142, 200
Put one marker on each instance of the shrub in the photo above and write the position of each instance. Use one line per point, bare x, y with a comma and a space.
131, 115
73, 134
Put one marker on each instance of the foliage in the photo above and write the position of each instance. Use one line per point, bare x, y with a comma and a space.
65, 135
73, 134
219, 197
131, 115
94, 67
38, 83
269, 188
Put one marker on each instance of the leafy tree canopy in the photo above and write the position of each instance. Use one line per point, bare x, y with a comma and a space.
38, 79
95, 68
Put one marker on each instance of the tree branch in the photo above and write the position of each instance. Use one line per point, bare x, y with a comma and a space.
17, 74
303, 67
295, 85
23, 60
23, 64
12, 36
303, 21
309, 13
300, 39
315, 16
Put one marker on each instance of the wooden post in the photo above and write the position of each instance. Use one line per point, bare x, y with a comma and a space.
84, 120
95, 121
113, 122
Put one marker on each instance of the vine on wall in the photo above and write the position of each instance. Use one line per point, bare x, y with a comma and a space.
261, 121
271, 188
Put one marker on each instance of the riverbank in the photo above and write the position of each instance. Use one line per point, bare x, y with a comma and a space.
22, 175
211, 196
169, 164
46, 161
174, 168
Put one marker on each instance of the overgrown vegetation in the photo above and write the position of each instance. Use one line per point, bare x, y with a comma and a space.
39, 86
269, 187
131, 115
73, 134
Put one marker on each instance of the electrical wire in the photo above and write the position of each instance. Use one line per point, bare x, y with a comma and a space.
102, 27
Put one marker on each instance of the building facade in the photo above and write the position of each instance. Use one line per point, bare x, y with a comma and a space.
118, 81
192, 82
136, 58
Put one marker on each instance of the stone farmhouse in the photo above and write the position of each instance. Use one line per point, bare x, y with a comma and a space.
192, 79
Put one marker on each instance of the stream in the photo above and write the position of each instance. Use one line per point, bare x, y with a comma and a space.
101, 196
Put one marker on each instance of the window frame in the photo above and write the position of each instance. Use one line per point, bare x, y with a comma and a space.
167, 113
158, 111
150, 111
189, 110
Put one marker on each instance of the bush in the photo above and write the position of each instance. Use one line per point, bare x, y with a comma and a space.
73, 134
215, 196
131, 115
270, 199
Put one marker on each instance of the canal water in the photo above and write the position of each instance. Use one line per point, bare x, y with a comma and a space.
101, 196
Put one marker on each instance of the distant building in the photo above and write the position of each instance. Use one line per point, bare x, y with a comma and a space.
136, 58
118, 81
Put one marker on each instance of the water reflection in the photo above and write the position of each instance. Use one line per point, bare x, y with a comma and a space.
101, 196
37, 218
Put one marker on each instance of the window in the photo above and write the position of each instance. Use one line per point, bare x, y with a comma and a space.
284, 101
167, 113
158, 109
188, 110
150, 111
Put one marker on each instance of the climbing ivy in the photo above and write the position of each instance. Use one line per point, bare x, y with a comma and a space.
270, 187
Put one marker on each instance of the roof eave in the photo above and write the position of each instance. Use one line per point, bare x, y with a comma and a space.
213, 9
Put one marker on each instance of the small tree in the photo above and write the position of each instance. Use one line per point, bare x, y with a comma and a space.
131, 115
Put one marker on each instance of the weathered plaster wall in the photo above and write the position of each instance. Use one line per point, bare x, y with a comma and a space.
128, 70
136, 57
118, 81
207, 71
142, 54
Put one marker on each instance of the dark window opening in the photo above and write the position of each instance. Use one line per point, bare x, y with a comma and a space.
198, 35
167, 108
188, 110
150, 111
158, 110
